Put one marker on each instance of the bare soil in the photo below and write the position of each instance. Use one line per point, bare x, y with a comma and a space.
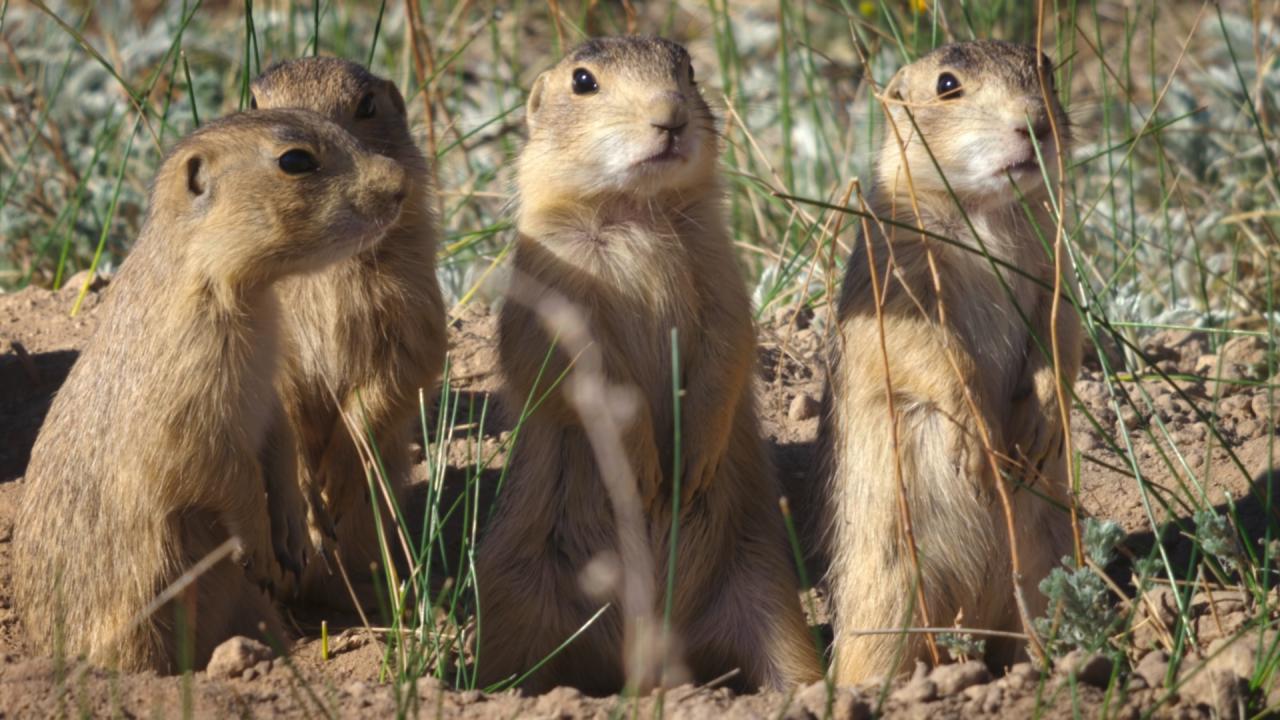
39, 342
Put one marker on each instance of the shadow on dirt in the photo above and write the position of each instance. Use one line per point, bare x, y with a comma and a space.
1256, 516
27, 385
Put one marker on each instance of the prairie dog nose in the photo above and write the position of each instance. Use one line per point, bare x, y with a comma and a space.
667, 112
1039, 124
384, 185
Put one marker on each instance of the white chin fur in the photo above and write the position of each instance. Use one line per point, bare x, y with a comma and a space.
622, 157
628, 172
986, 168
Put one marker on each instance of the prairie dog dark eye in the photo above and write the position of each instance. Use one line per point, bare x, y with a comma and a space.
691, 80
584, 83
367, 108
949, 86
253, 102
298, 162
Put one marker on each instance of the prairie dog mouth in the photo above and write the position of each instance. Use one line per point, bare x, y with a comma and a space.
373, 230
1030, 162
670, 152
1030, 165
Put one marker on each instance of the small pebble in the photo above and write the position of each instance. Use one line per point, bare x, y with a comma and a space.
921, 690
803, 407
813, 698
1023, 674
1152, 668
953, 678
1249, 351
429, 684
1266, 408
234, 656
1090, 669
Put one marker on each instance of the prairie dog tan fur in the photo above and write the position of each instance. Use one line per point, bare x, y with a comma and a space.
368, 331
621, 213
959, 361
150, 456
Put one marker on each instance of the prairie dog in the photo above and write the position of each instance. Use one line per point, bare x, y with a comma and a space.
959, 361
365, 334
150, 456
620, 212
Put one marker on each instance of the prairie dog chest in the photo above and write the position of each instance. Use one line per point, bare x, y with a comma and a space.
633, 276
633, 279
991, 309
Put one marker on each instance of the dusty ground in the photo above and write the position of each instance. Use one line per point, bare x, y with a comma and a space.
38, 343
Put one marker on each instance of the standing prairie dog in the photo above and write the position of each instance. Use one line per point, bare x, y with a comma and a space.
961, 361
364, 335
150, 456
620, 213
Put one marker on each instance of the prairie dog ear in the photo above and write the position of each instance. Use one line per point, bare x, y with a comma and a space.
396, 98
196, 181
197, 176
893, 88
535, 100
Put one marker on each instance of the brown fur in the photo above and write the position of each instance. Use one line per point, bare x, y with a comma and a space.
368, 331
149, 458
981, 352
641, 248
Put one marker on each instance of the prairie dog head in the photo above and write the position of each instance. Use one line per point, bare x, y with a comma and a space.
256, 196
365, 105
618, 115
978, 106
